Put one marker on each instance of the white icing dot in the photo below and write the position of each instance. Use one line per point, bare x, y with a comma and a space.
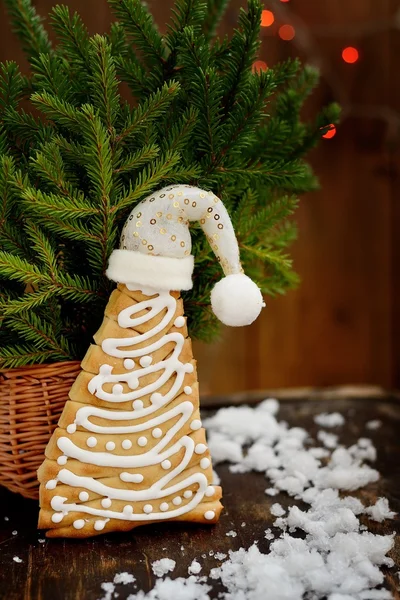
179, 321
166, 464
128, 509
196, 424
50, 485
145, 361
210, 514
177, 501
99, 525
106, 503
188, 390
142, 441
91, 442
200, 448
189, 368
129, 364
134, 478
147, 508
205, 463
164, 506
83, 496
137, 404
79, 523
105, 370
210, 491
126, 444
188, 494
57, 517
156, 398
156, 433
117, 389
110, 446
71, 428
62, 460
133, 382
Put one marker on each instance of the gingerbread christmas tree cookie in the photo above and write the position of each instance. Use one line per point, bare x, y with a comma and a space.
130, 448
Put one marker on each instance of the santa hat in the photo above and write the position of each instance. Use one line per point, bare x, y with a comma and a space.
156, 244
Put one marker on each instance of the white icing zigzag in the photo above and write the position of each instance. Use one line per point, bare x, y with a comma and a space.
169, 367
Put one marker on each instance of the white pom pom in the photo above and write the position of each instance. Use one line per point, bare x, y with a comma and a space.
236, 300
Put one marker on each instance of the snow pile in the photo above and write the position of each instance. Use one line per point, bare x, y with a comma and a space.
163, 566
194, 568
124, 578
380, 511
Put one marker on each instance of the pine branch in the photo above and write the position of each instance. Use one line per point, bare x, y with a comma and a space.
137, 159
104, 83
214, 14
19, 269
11, 86
58, 110
28, 27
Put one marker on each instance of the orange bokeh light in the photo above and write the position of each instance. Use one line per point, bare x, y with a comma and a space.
286, 32
259, 65
330, 133
350, 55
284, 0
267, 18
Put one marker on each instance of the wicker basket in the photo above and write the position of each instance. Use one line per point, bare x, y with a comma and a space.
31, 401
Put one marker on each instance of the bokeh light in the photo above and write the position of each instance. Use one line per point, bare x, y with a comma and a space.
286, 32
350, 54
259, 65
267, 18
330, 133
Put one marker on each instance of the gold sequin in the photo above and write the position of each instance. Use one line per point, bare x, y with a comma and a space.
173, 238
153, 221
163, 231
182, 244
187, 252
144, 242
216, 217
194, 204
176, 204
202, 221
139, 215
216, 236
169, 216
150, 247
209, 209
162, 195
220, 226
180, 193
202, 195
135, 234
216, 199
138, 224
152, 199
180, 219
186, 200
159, 214
171, 196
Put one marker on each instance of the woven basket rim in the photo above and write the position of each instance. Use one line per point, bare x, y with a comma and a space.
37, 367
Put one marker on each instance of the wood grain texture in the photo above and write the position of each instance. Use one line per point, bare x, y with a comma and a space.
75, 569
342, 324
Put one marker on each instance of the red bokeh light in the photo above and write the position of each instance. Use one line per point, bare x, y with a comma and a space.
350, 55
259, 65
330, 133
267, 18
286, 32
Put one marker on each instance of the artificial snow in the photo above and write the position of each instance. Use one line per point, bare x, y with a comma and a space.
163, 566
220, 556
277, 510
108, 587
194, 568
178, 589
17, 559
334, 419
231, 533
374, 424
380, 511
124, 578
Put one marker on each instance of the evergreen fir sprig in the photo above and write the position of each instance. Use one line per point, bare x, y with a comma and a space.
70, 175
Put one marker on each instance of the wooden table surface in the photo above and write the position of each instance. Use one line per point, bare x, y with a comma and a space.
74, 570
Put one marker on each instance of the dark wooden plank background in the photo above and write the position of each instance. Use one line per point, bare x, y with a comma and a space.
342, 324
74, 569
